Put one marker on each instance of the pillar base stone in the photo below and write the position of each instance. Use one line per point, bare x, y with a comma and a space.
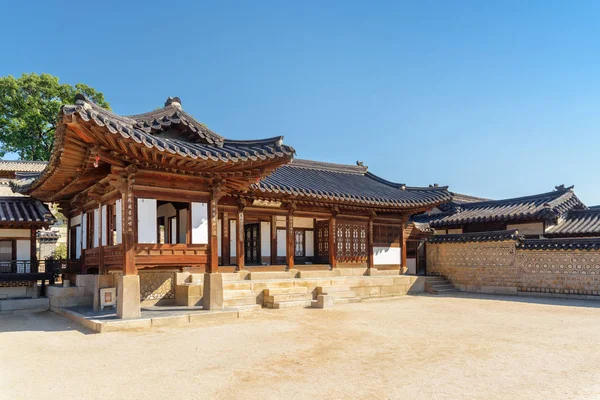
128, 297
212, 298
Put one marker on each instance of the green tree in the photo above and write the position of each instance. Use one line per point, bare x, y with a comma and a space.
29, 108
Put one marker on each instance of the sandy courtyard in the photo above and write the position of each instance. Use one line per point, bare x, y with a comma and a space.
459, 347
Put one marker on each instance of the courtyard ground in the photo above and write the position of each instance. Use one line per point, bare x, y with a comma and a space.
455, 347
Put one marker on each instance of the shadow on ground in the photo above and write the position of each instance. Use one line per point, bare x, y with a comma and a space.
553, 301
45, 321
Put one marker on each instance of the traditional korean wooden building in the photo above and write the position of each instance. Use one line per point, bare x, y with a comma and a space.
160, 191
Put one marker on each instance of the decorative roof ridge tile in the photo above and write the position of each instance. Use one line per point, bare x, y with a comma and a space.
491, 236
560, 244
556, 193
278, 140
331, 167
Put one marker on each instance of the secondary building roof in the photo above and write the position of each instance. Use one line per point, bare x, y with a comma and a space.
540, 206
577, 223
22, 166
347, 183
16, 211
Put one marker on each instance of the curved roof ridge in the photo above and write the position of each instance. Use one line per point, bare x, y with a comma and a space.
326, 166
257, 141
557, 193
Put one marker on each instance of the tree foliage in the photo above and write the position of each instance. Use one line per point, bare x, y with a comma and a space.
29, 108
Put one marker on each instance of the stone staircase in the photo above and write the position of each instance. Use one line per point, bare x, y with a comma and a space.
340, 294
438, 285
287, 297
239, 296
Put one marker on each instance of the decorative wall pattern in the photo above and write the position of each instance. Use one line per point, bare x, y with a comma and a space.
558, 262
157, 285
475, 255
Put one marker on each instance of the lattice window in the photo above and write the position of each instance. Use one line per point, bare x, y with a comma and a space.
352, 242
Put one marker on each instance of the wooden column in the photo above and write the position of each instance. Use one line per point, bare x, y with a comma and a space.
239, 243
128, 226
100, 236
290, 239
370, 255
403, 244
33, 266
274, 240
213, 264
332, 241
225, 244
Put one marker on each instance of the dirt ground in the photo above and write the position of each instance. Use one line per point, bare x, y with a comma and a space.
457, 347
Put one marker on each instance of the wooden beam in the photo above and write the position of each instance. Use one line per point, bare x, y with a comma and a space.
213, 264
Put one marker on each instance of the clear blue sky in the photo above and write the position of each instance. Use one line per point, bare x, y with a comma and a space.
495, 99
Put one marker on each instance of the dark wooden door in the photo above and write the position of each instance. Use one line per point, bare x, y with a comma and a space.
322, 250
252, 244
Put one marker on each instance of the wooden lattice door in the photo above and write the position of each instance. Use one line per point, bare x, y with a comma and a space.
322, 252
252, 244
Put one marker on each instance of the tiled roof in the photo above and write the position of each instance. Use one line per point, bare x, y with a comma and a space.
22, 166
24, 210
153, 130
540, 206
560, 244
577, 223
347, 183
492, 236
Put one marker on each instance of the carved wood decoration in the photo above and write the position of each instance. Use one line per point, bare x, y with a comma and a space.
352, 242
322, 228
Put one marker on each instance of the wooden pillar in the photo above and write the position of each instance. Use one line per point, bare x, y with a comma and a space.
290, 240
128, 226
225, 244
33, 265
213, 264
100, 237
239, 243
332, 241
274, 240
370, 255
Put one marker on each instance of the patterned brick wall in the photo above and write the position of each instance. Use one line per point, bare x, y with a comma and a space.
473, 266
483, 266
559, 271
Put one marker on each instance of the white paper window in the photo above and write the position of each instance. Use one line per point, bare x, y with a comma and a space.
119, 221
265, 239
232, 237
96, 227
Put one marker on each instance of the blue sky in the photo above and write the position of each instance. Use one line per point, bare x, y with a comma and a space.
494, 99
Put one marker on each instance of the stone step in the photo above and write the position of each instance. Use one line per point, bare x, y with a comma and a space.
292, 304
237, 285
240, 301
288, 290
231, 276
341, 295
332, 289
234, 294
319, 274
249, 307
279, 298
270, 275
442, 286
445, 290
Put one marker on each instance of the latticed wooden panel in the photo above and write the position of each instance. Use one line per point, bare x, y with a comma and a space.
323, 238
351, 242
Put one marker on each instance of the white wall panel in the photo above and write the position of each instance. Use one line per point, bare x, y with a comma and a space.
199, 223
23, 250
77, 241
96, 241
265, 239
281, 243
119, 224
387, 255
310, 243
219, 238
104, 226
146, 220
84, 232
302, 222
232, 237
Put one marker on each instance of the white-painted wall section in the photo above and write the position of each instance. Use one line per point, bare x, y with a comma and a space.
199, 223
219, 238
119, 223
146, 220
265, 239
84, 232
78, 241
310, 243
387, 255
232, 237
23, 250
281, 242
104, 226
96, 241
531, 228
